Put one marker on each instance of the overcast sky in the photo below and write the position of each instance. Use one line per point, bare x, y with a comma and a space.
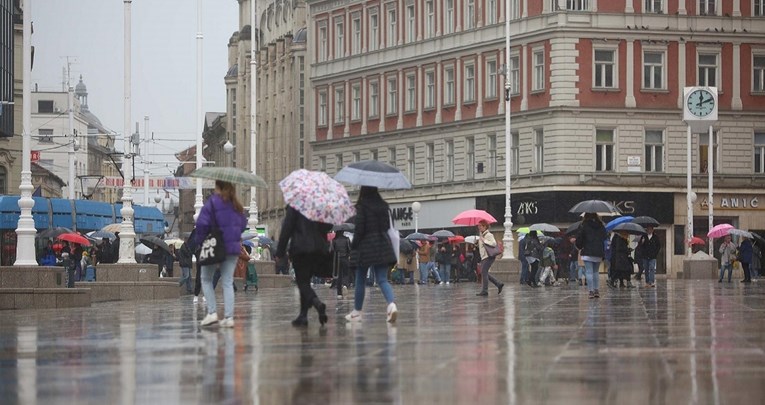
90, 32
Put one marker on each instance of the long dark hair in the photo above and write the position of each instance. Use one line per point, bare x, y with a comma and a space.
228, 193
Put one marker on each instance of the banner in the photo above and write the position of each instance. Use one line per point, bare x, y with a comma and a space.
182, 183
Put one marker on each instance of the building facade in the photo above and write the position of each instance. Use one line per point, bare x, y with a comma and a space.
596, 90
11, 19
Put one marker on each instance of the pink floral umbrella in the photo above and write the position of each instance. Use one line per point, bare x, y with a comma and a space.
317, 196
718, 231
473, 217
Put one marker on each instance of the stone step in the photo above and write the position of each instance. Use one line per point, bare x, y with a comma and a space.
32, 277
130, 290
42, 298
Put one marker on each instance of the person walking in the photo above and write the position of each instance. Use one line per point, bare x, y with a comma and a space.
486, 238
727, 256
591, 242
184, 255
621, 263
423, 256
745, 257
341, 256
374, 248
522, 258
444, 260
533, 252
649, 247
309, 253
224, 211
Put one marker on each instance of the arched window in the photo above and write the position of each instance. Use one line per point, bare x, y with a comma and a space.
3, 180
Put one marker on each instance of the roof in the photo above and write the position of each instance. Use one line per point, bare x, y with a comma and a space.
233, 70
301, 36
210, 118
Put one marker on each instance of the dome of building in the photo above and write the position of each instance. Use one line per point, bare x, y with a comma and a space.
301, 35
81, 89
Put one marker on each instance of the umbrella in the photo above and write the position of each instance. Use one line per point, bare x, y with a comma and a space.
631, 228
443, 234
456, 239
612, 224
595, 206
418, 236
265, 240
544, 228
155, 241
473, 217
758, 238
317, 196
101, 235
248, 235
113, 228
473, 239
142, 249
574, 228
373, 173
405, 246
230, 175
524, 230
740, 232
346, 227
74, 238
646, 221
58, 246
53, 232
175, 242
248, 243
697, 241
718, 231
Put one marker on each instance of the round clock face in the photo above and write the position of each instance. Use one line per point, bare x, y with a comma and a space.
701, 103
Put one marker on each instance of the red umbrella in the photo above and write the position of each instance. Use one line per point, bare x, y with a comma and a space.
57, 246
456, 239
74, 238
473, 217
697, 241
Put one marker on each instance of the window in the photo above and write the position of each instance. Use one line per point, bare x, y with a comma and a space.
707, 7
448, 16
515, 75
539, 70
654, 151
338, 161
430, 170
449, 175
430, 19
539, 149
356, 110
410, 163
605, 61
322, 108
492, 141
491, 79
391, 32
515, 152
410, 92
469, 14
374, 154
707, 69
515, 9
392, 96
356, 39
3, 180
704, 152
577, 5
339, 106
758, 72
374, 99
44, 106
410, 34
759, 152
374, 31
430, 89
604, 150
45, 135
491, 11
653, 6
449, 82
323, 163
322, 43
392, 156
339, 39
469, 83
759, 8
470, 161
356, 157
653, 70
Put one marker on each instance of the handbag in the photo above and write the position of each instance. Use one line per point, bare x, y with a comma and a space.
493, 251
212, 250
395, 238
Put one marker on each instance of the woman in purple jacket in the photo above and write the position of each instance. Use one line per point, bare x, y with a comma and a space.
225, 211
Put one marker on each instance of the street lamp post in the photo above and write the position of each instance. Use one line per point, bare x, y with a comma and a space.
253, 220
70, 101
25, 230
416, 207
508, 238
127, 233
198, 202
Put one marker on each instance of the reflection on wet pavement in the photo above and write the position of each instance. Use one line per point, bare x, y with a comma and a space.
683, 342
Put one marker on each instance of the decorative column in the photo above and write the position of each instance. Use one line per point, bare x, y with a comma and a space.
508, 239
629, 99
252, 222
127, 233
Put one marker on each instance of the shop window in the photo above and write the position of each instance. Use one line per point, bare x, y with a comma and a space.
704, 153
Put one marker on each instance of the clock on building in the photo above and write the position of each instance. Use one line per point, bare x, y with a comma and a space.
701, 102
700, 107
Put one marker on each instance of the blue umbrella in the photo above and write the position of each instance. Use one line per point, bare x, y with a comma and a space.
265, 240
612, 224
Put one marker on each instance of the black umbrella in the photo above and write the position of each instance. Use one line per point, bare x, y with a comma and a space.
442, 234
646, 221
373, 173
152, 241
574, 228
53, 232
631, 228
345, 227
758, 238
406, 246
595, 206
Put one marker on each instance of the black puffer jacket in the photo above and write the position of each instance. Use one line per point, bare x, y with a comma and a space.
303, 235
591, 238
370, 238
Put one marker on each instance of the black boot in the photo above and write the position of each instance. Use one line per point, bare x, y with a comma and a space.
301, 320
321, 308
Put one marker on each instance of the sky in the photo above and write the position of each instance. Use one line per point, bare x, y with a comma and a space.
90, 33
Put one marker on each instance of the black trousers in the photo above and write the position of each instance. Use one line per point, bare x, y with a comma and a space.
747, 273
305, 266
534, 267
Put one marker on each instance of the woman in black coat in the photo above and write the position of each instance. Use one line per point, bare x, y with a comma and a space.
591, 243
308, 251
371, 241
621, 263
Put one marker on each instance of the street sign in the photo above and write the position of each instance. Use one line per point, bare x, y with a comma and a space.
35, 156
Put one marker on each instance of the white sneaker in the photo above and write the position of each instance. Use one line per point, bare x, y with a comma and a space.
345, 289
354, 316
441, 283
196, 299
209, 320
204, 300
447, 283
227, 323
392, 312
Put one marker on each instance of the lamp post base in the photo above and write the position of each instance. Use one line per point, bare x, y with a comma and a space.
506, 270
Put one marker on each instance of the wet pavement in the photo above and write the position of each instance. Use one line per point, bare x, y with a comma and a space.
682, 342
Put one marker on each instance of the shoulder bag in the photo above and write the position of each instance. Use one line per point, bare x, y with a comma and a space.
212, 250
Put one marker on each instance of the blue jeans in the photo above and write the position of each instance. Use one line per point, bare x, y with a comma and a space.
424, 273
381, 276
445, 271
649, 265
524, 271
729, 267
572, 269
227, 276
591, 274
186, 278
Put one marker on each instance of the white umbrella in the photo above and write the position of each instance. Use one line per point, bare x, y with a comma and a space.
740, 232
544, 228
471, 239
142, 249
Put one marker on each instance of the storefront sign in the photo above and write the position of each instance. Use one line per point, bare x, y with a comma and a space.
733, 202
433, 214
